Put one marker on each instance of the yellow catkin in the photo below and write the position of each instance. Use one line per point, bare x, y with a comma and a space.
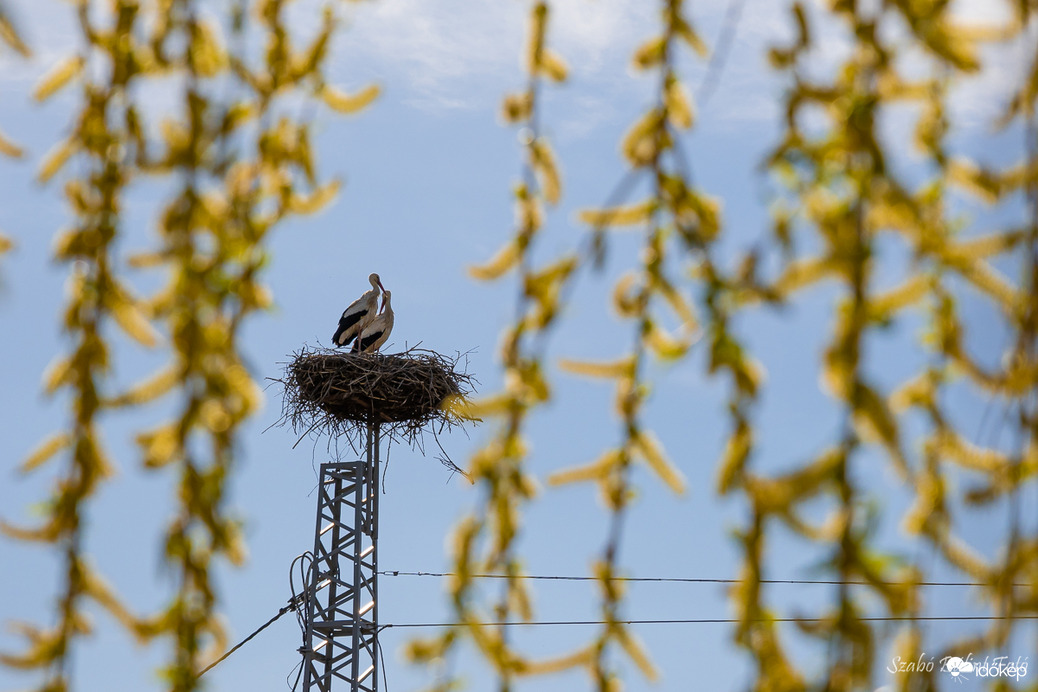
535, 43
316, 200
628, 298
133, 322
907, 294
59, 76
691, 38
918, 391
645, 139
556, 664
952, 446
9, 36
989, 280
678, 103
552, 66
636, 650
148, 389
802, 273
546, 168
595, 470
681, 307
666, 346
505, 259
650, 53
733, 458
207, 53
622, 367
516, 107
984, 246
45, 451
482, 407
628, 215
56, 158
9, 148
160, 445
342, 102
650, 449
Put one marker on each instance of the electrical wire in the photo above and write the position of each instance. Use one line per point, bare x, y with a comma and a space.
298, 599
305, 562
293, 685
686, 580
713, 621
722, 51
378, 644
291, 606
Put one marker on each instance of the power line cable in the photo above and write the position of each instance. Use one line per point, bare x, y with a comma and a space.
297, 667
303, 561
713, 621
686, 580
292, 604
722, 51
299, 598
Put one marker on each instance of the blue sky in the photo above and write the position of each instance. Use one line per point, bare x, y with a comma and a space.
428, 172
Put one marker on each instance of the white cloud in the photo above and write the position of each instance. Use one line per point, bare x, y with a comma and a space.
448, 54
440, 51
451, 53
595, 35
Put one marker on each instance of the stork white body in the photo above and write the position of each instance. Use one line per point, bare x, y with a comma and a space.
377, 331
359, 314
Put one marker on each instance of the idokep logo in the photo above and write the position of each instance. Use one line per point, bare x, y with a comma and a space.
962, 669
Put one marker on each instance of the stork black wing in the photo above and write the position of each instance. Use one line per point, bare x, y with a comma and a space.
345, 322
364, 344
338, 335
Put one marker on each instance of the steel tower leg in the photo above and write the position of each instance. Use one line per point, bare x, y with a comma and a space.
341, 640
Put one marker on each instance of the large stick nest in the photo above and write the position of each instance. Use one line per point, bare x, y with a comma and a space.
340, 393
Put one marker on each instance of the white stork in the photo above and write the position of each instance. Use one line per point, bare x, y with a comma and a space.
375, 334
359, 314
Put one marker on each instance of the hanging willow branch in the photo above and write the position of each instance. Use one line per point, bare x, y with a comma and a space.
238, 165
844, 191
10, 38
485, 542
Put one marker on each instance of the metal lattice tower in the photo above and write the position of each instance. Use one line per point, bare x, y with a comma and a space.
341, 638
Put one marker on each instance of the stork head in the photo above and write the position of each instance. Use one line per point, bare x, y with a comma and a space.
386, 295
375, 281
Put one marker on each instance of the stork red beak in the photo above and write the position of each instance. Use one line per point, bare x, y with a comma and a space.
381, 286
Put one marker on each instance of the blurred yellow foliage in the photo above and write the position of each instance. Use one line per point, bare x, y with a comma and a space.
211, 248
840, 203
